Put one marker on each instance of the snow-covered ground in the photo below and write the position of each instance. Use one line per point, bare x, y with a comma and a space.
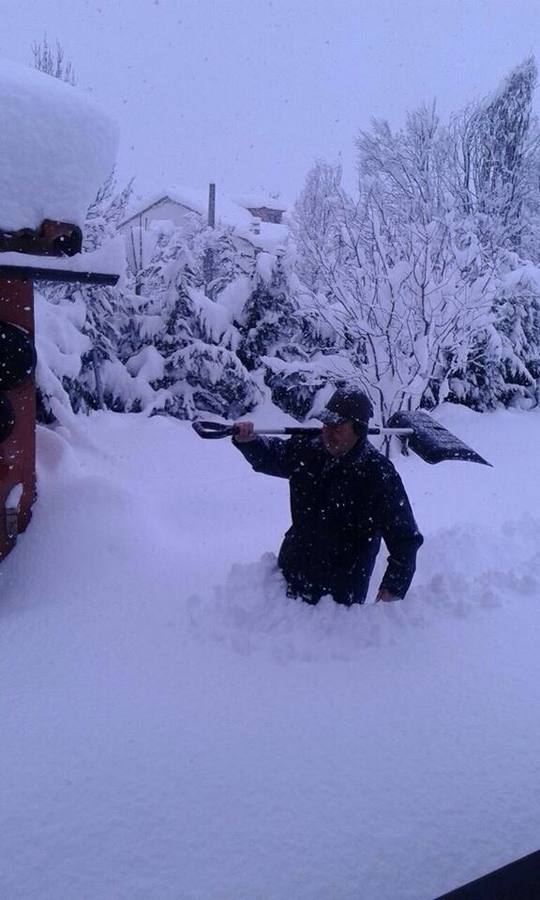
173, 727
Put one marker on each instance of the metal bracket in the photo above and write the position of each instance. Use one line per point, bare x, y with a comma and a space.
11, 509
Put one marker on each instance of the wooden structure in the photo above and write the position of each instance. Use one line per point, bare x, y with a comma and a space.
17, 384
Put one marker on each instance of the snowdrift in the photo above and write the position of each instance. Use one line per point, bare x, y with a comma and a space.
174, 726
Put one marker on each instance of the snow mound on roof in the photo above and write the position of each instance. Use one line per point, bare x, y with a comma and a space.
56, 149
258, 199
227, 212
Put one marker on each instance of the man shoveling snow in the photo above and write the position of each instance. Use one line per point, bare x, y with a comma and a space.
345, 497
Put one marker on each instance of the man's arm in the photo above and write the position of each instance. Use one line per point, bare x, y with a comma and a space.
272, 456
401, 536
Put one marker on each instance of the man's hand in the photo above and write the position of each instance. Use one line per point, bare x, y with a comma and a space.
386, 596
243, 432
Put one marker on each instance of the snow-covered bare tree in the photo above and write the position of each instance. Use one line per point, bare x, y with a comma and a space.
402, 286
52, 61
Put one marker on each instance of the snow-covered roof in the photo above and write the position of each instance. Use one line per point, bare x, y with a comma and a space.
56, 149
260, 200
195, 199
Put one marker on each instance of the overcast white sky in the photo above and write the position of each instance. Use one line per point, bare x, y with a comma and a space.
250, 92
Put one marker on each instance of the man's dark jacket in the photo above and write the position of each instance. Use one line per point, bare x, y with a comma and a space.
340, 507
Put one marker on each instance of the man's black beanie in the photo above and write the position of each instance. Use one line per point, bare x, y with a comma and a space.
348, 405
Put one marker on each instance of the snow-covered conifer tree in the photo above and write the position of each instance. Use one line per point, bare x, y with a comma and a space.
187, 340
496, 152
274, 331
268, 325
101, 379
496, 181
503, 365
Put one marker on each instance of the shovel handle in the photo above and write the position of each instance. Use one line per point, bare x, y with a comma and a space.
216, 430
212, 430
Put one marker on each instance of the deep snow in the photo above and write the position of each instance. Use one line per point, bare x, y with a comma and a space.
174, 727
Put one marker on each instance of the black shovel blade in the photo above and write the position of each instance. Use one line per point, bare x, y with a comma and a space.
431, 441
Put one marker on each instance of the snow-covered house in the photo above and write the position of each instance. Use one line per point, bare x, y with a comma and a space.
263, 207
180, 205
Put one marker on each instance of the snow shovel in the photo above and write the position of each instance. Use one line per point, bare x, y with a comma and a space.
430, 441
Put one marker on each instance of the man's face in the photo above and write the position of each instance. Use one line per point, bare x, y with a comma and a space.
339, 439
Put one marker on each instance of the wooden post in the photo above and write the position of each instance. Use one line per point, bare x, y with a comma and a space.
18, 451
18, 448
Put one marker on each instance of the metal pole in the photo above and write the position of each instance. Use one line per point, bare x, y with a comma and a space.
97, 376
212, 205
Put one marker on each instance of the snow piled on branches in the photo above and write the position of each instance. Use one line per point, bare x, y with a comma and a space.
190, 331
423, 286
